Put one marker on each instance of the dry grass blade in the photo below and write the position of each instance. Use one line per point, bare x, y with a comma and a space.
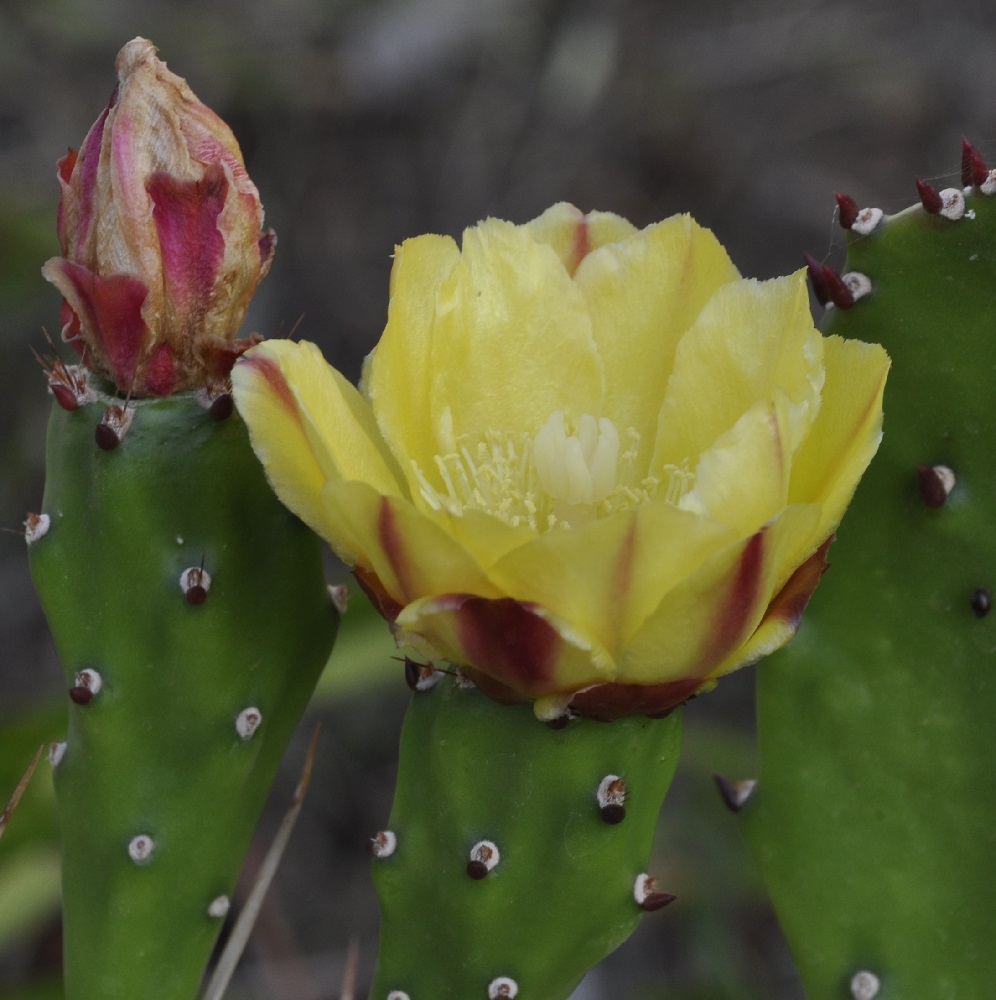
239, 937
348, 989
19, 791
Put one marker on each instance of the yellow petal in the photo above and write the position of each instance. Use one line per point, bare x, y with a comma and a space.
523, 648
604, 578
846, 434
742, 480
308, 425
512, 341
573, 234
750, 337
783, 615
400, 546
642, 295
398, 375
714, 612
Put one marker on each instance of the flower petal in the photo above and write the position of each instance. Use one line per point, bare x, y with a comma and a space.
398, 545
847, 431
642, 295
512, 341
518, 645
716, 610
604, 578
573, 234
783, 615
742, 480
750, 337
398, 375
308, 425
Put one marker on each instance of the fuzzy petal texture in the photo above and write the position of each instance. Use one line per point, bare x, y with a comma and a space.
593, 467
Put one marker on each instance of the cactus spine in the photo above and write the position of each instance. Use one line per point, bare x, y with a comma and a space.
192, 621
873, 818
515, 855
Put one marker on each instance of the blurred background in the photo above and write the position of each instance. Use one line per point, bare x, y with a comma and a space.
364, 123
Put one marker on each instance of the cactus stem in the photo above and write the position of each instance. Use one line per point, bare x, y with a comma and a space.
247, 722
847, 209
936, 484
339, 594
648, 897
218, 907
195, 582
86, 686
503, 988
735, 793
484, 856
421, 676
36, 526
974, 171
140, 848
113, 426
611, 796
56, 751
865, 985
981, 602
383, 844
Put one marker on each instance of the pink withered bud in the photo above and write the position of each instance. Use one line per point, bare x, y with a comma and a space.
161, 235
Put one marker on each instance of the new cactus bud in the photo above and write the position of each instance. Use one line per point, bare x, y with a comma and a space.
162, 241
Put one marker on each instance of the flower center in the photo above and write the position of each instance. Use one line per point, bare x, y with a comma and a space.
578, 467
565, 475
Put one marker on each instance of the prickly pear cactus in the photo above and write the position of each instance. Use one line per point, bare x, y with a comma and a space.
873, 820
192, 622
515, 854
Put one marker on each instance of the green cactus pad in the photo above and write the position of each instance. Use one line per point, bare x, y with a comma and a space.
874, 821
562, 893
154, 762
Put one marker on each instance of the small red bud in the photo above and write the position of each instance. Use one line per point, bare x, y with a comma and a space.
820, 288
974, 171
847, 209
840, 294
930, 197
936, 484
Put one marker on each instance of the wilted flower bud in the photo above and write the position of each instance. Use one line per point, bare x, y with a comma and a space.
160, 228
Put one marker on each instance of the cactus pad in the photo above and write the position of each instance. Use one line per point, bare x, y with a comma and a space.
192, 621
515, 854
873, 822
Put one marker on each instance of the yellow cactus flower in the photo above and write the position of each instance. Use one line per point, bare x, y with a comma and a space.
593, 467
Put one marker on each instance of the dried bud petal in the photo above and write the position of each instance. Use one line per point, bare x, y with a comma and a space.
160, 228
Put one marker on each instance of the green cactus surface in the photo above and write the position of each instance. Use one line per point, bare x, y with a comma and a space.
874, 819
170, 754
502, 872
